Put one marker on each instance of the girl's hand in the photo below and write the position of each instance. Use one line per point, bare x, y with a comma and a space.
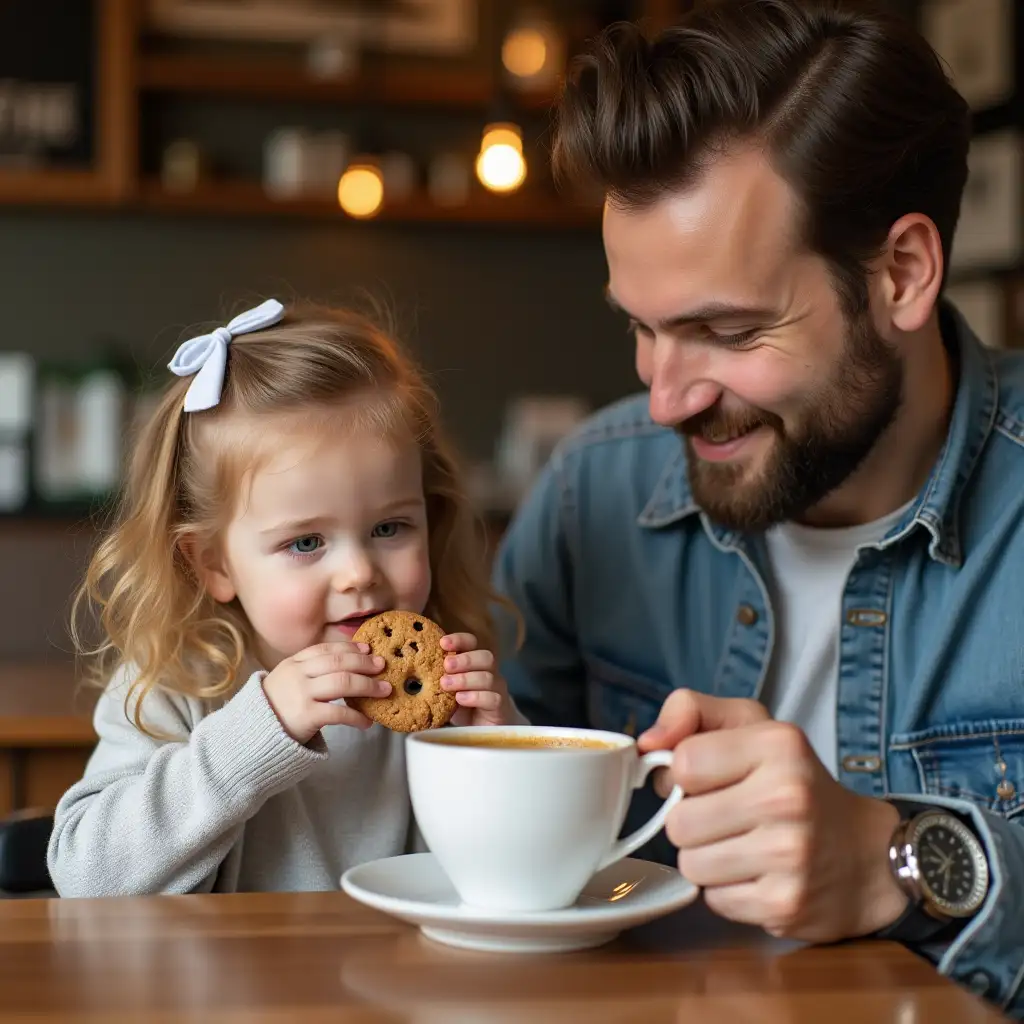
302, 689
482, 695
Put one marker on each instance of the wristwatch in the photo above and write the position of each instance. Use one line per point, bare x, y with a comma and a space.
940, 863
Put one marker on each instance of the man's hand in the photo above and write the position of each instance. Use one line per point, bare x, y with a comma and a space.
765, 830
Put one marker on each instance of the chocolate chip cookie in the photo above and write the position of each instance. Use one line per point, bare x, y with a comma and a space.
410, 645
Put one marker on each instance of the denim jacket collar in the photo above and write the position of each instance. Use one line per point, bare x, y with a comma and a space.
937, 506
974, 413
671, 499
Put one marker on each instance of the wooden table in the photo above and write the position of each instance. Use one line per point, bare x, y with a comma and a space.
315, 958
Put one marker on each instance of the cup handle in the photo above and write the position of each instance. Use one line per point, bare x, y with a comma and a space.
644, 766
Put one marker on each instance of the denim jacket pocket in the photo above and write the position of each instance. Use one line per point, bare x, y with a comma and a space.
978, 761
622, 701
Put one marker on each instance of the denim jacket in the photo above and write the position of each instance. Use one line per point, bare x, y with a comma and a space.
628, 591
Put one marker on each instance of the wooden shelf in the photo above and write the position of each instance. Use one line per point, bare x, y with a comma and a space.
41, 705
54, 187
248, 199
278, 80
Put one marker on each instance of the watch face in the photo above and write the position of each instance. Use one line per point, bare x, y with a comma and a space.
951, 863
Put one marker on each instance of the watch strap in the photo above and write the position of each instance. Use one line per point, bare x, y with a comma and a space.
913, 926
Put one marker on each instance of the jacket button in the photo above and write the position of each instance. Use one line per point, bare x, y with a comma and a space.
979, 983
866, 617
1006, 790
746, 615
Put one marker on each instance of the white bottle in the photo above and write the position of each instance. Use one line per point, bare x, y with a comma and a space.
101, 418
17, 396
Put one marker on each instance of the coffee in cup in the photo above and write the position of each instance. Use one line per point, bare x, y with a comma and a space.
511, 741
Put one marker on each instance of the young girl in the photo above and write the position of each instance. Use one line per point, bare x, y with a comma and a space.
292, 483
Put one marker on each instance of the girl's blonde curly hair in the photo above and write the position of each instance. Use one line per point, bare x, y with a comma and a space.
182, 484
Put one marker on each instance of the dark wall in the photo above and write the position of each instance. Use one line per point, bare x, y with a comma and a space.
490, 313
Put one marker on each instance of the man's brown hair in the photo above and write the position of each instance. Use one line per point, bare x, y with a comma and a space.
850, 103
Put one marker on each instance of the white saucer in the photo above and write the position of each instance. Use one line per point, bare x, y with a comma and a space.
415, 889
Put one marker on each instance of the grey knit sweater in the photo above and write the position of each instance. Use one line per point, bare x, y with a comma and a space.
229, 803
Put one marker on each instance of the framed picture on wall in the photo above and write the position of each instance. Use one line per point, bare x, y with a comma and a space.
989, 232
66, 117
976, 40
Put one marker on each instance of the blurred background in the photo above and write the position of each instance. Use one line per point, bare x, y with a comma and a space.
165, 163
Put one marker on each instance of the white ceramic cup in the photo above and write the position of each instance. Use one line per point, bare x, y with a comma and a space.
524, 829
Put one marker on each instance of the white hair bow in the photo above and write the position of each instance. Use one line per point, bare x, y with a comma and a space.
207, 355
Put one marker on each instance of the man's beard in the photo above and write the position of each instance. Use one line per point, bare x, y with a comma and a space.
840, 425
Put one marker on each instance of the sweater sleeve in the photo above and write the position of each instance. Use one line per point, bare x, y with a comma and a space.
160, 815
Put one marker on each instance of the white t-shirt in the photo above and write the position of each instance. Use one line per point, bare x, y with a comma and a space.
809, 570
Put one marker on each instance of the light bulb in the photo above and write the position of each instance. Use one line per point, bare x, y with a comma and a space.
501, 168
524, 52
361, 189
533, 52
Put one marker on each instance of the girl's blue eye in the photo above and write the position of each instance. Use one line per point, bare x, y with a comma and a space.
306, 545
385, 531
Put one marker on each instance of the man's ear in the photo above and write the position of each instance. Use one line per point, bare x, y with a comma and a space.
912, 272
208, 564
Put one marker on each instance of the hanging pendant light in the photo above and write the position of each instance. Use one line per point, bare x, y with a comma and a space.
500, 164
